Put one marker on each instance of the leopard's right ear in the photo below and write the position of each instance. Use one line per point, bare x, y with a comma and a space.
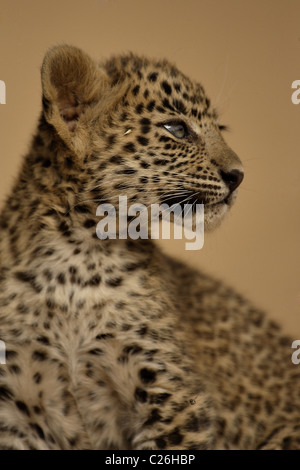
72, 85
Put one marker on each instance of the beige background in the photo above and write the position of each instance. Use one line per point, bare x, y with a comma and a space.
246, 54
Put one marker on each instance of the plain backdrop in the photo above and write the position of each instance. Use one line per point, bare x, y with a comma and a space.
246, 54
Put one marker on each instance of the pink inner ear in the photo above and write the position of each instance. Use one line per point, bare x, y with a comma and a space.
70, 115
69, 108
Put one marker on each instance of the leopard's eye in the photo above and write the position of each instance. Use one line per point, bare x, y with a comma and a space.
178, 129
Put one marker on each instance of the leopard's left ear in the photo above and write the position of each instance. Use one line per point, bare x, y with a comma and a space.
72, 85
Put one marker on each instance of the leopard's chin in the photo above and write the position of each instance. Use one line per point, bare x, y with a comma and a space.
214, 214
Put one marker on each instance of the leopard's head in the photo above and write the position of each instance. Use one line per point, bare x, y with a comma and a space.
139, 128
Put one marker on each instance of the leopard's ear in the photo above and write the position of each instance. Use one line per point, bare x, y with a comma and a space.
72, 84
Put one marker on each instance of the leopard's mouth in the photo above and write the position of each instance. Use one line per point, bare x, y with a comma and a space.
214, 210
228, 200
192, 199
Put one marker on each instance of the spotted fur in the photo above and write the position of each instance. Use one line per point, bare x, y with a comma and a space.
110, 343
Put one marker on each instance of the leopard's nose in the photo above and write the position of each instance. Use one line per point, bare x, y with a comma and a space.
232, 178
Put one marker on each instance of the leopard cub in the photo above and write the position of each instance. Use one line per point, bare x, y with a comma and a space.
111, 344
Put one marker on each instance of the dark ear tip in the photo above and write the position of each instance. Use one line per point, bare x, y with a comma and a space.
50, 55
59, 50
71, 81
62, 58
67, 68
